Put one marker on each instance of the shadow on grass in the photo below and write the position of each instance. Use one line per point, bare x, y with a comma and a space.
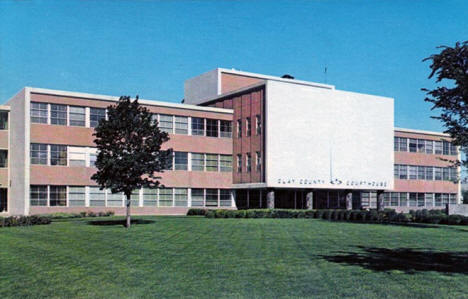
119, 222
408, 260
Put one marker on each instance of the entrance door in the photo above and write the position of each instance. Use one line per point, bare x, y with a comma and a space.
3, 200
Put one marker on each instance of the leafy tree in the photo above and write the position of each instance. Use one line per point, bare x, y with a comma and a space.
129, 150
451, 67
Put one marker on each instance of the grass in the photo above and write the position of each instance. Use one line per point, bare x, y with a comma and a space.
199, 257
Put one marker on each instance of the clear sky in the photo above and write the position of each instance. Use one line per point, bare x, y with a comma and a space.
150, 47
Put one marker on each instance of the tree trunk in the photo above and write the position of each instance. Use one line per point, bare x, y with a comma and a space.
127, 217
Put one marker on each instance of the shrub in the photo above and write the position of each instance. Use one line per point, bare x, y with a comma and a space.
347, 215
454, 219
464, 221
250, 214
83, 214
196, 212
210, 214
240, 214
327, 214
309, 214
319, 214
90, 214
434, 219
24, 220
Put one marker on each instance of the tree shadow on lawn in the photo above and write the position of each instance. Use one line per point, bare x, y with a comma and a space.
119, 222
408, 260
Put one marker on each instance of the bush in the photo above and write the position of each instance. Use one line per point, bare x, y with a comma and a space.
90, 214
210, 214
24, 220
196, 212
454, 219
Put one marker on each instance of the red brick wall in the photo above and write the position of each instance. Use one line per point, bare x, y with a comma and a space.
230, 82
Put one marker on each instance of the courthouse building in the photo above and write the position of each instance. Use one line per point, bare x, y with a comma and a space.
240, 140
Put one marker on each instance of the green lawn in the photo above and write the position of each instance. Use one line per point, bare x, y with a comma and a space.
199, 257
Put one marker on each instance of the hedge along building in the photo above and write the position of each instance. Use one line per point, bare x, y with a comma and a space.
299, 144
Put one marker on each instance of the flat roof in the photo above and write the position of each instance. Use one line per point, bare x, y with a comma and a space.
404, 130
4, 108
115, 99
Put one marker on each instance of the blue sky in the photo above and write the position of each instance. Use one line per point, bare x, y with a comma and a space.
150, 47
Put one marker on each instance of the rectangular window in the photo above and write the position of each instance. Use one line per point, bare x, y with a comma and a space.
421, 146
198, 126
413, 172
386, 199
198, 162
396, 143
420, 199
429, 147
421, 173
180, 161
239, 128
258, 125
198, 197
38, 195
453, 199
212, 127
225, 162
429, 199
225, 128
38, 153
437, 173
166, 123
248, 127
225, 198
95, 115
258, 161
446, 147
134, 198
396, 171
97, 198
150, 197
170, 162
403, 144
373, 199
3, 120
77, 116
394, 199
211, 162
58, 196
166, 197
437, 147
445, 198
429, 173
58, 155
211, 197
445, 174
181, 197
248, 162
115, 199
77, 156
58, 114
76, 196
453, 150
413, 200
413, 144
181, 125
3, 158
438, 199
403, 172
403, 199
453, 174
39, 113
92, 159
239, 163
365, 199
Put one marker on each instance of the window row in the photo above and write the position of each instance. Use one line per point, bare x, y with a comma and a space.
201, 162
58, 114
3, 120
248, 162
441, 147
62, 155
91, 196
409, 199
429, 173
248, 126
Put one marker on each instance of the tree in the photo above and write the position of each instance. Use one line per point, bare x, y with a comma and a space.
451, 67
129, 150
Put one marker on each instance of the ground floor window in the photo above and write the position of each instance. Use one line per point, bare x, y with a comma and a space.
38, 195
150, 197
76, 196
211, 197
97, 198
165, 197
58, 196
114, 199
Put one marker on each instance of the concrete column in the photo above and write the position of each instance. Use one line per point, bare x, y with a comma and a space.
349, 200
380, 200
310, 200
271, 199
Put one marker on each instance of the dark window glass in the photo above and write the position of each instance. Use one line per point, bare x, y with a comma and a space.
38, 153
3, 120
95, 115
39, 113
180, 161
198, 126
212, 127
58, 114
413, 145
58, 155
225, 128
58, 196
38, 195
3, 158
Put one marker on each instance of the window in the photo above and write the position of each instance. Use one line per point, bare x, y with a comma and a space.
445, 174
211, 197
198, 162
394, 199
421, 199
452, 199
421, 146
258, 161
77, 116
396, 171
403, 199
77, 156
198, 126
437, 147
453, 174
429, 199
38, 153
58, 114
97, 198
248, 127
225, 162
165, 197
92, 159
95, 115
170, 162
396, 141
403, 145
248, 162
386, 199
438, 199
38, 195
114, 199
453, 150
58, 196
413, 145
225, 198
421, 173
429, 147
403, 172
150, 197
413, 202
446, 147
239, 163
134, 198
76, 196
225, 128
198, 197
166, 123
429, 173
212, 128
181, 197
3, 120
58, 155
211, 162
239, 128
180, 161
3, 158
365, 199
258, 125
373, 199
39, 113
181, 125
413, 172
437, 173
445, 198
